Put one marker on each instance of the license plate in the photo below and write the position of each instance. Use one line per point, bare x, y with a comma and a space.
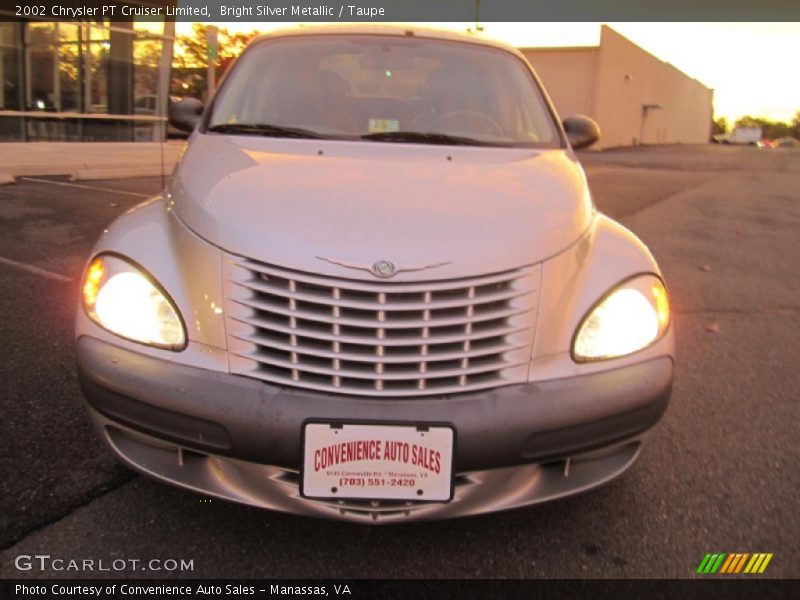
377, 462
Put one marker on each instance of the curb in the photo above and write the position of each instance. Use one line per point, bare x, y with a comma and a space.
121, 172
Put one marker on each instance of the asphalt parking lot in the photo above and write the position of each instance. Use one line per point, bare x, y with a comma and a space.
720, 473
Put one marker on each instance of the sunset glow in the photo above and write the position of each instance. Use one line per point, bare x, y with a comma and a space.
749, 65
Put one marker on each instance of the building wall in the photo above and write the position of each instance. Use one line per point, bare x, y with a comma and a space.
629, 78
568, 75
84, 81
622, 80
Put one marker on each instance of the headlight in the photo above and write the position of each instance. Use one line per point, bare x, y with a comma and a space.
121, 298
633, 315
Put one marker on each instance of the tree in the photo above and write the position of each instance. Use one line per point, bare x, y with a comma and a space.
771, 130
748, 121
190, 58
719, 126
191, 51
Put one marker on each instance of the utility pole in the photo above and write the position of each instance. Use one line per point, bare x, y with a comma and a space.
164, 75
212, 53
478, 26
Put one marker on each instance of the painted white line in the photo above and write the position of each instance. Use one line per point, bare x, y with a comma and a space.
34, 270
87, 187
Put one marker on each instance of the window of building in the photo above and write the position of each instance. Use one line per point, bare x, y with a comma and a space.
53, 73
10, 71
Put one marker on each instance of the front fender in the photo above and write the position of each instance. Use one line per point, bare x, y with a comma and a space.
185, 265
572, 282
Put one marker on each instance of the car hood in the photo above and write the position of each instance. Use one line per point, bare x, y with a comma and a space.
296, 203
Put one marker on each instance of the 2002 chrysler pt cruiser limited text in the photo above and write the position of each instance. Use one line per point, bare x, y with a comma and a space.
376, 288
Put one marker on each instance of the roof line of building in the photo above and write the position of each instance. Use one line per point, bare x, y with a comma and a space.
558, 48
650, 54
598, 46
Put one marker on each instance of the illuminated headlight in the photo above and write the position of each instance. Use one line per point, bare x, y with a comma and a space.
628, 318
123, 299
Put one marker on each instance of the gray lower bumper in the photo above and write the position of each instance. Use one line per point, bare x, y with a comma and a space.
249, 420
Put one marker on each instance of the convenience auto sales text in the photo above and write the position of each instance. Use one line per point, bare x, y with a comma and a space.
403, 452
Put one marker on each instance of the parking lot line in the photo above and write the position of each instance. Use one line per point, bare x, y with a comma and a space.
34, 270
87, 187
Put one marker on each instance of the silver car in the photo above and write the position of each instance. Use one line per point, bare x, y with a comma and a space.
376, 289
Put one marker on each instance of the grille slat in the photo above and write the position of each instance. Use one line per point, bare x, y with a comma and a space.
425, 320
380, 339
384, 287
376, 374
399, 341
370, 358
345, 302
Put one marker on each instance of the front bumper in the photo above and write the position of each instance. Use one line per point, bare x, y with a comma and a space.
240, 439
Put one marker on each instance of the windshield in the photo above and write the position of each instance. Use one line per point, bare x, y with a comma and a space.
383, 88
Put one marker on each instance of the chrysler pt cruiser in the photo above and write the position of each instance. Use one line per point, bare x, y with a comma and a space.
375, 288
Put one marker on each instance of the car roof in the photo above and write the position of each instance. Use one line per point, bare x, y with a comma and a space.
399, 30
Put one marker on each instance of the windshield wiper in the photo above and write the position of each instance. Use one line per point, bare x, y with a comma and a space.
426, 138
265, 129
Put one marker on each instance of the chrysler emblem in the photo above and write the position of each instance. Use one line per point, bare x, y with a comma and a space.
384, 268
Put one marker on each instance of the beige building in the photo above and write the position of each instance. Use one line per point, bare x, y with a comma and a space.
634, 97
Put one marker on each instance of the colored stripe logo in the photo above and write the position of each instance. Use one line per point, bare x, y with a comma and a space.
737, 562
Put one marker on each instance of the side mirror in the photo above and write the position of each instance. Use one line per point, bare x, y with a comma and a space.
581, 131
185, 114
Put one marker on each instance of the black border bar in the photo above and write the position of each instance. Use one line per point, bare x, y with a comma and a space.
410, 589
407, 10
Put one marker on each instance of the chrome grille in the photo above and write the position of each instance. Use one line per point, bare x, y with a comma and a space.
392, 339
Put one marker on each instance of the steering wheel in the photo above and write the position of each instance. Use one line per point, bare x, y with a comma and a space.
465, 115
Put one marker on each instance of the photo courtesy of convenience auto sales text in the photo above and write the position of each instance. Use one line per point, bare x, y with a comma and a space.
376, 289
130, 589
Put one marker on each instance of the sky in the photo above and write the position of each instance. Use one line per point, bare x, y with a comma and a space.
752, 67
